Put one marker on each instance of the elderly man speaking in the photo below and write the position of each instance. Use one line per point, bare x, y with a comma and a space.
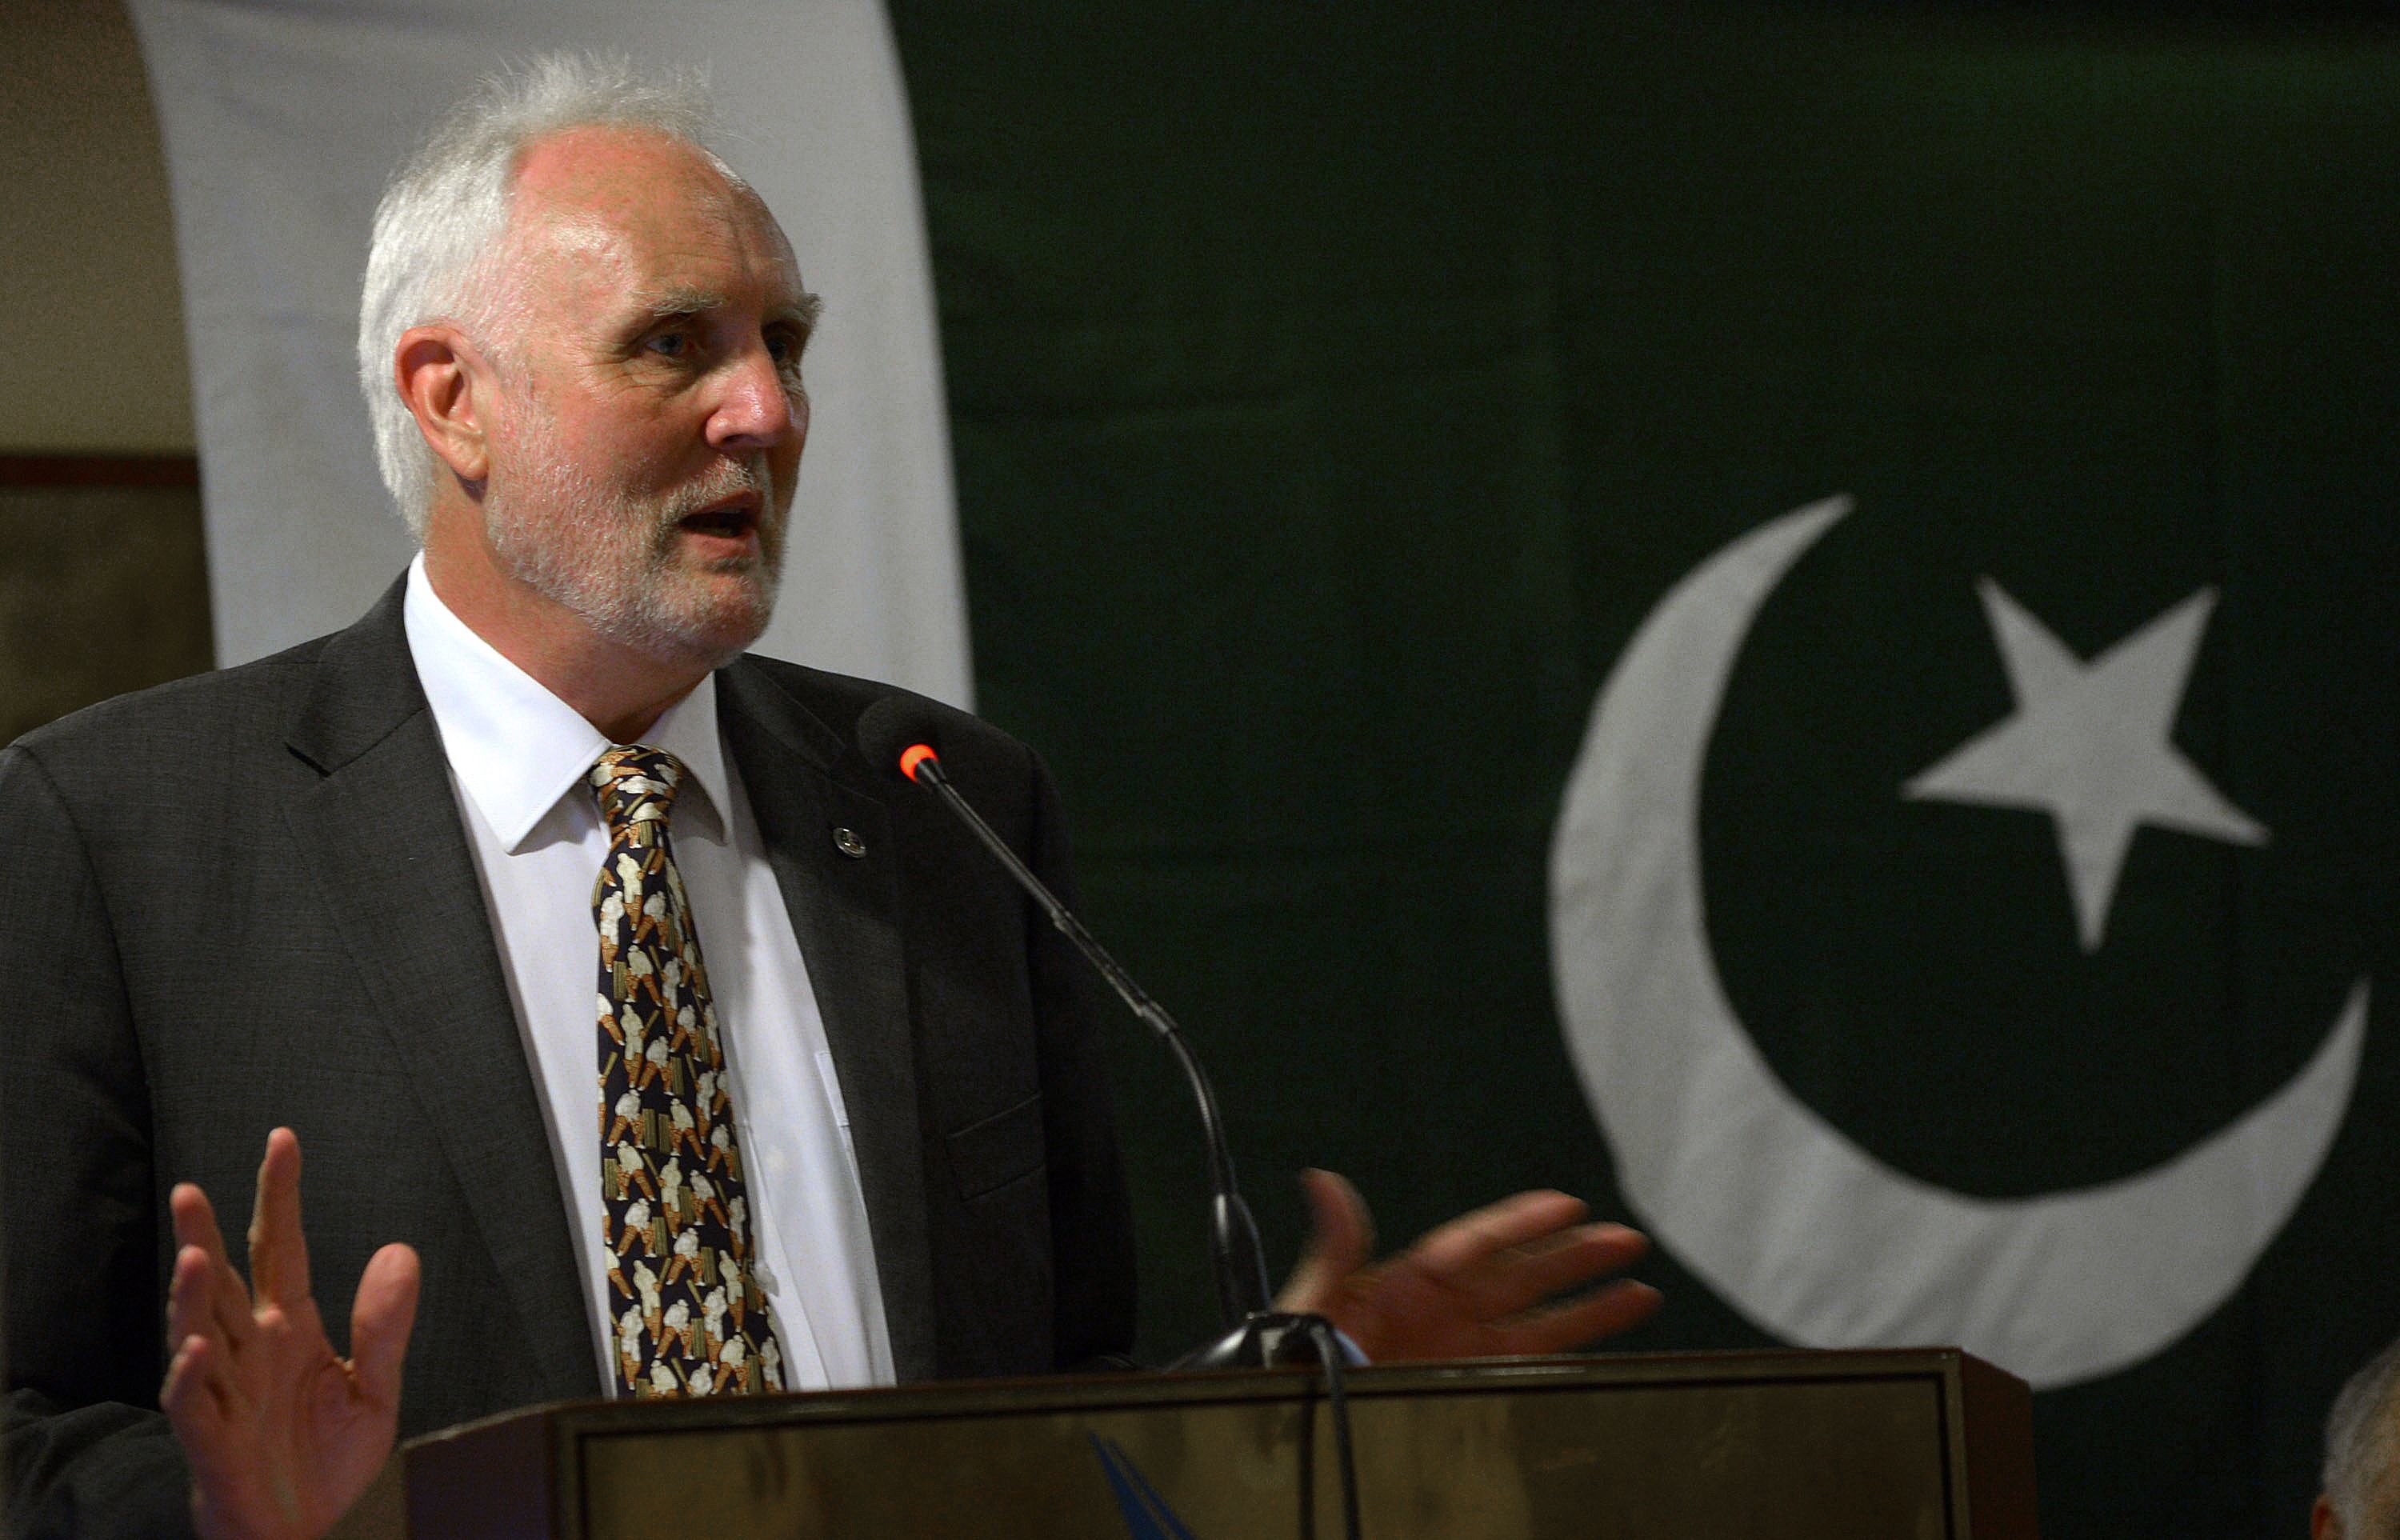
635, 1025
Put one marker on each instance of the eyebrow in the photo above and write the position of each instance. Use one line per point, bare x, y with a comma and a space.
676, 300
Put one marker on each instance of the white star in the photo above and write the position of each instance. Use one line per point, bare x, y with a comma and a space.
2089, 745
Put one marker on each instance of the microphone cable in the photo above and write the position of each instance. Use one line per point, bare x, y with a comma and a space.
1331, 1355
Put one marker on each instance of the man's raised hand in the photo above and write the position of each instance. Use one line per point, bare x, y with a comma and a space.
1482, 1286
282, 1436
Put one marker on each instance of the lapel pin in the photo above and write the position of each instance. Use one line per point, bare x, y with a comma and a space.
848, 842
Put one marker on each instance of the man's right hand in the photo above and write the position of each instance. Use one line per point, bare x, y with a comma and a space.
282, 1436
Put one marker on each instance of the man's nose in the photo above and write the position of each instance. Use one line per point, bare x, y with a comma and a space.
756, 408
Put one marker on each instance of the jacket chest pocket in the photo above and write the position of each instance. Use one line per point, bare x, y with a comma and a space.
1004, 1148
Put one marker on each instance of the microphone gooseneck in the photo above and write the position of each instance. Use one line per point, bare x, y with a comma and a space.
1240, 1260
897, 732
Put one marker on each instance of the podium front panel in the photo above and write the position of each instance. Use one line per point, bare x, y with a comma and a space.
1910, 1445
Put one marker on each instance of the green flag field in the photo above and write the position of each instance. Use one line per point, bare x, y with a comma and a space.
1962, 914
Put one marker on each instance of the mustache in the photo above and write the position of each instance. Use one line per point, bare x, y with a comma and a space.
724, 480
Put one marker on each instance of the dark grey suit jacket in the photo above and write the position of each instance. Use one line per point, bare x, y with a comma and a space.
246, 899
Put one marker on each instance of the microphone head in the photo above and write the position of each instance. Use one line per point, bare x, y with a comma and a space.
898, 733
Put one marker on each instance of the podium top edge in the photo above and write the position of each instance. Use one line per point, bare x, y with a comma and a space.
1139, 1389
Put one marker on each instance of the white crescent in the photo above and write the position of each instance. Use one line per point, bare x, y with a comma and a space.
1787, 1220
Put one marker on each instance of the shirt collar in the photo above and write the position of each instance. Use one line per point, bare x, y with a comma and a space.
514, 748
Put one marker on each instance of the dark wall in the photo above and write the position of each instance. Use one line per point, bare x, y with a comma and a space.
104, 586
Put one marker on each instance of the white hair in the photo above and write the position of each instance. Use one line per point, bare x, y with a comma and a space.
2360, 1479
442, 219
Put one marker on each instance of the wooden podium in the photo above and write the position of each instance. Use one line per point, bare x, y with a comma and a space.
1808, 1446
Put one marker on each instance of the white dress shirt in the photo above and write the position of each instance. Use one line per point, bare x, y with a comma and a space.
518, 759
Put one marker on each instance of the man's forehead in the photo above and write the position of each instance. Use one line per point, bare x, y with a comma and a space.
597, 164
609, 193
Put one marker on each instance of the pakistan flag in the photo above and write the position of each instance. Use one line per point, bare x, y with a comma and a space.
1782, 617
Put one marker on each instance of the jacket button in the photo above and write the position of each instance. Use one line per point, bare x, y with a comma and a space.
848, 842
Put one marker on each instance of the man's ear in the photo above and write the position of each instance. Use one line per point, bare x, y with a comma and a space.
449, 388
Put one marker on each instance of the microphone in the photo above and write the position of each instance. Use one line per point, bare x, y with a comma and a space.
898, 733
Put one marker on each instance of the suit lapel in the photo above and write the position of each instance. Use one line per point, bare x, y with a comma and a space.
845, 912
381, 830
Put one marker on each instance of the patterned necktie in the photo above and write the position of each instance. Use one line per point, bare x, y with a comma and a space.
690, 1317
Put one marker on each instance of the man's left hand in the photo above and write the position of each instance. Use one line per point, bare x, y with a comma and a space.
1480, 1286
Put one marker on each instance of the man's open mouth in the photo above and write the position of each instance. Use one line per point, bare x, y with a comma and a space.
732, 521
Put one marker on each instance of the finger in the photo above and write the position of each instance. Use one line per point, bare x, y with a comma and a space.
1341, 1241
226, 1297
196, 1395
279, 1252
380, 1322
1471, 1239
196, 1224
207, 1413
1525, 1276
190, 1309
1565, 1328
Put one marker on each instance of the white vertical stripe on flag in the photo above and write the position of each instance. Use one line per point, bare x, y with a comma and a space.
283, 119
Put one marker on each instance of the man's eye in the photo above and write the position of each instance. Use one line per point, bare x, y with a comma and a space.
783, 348
669, 345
